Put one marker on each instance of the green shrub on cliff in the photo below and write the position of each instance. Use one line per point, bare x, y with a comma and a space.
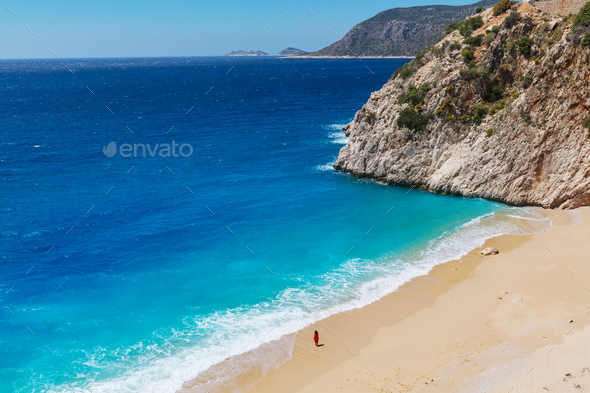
493, 91
497, 107
526, 81
481, 109
511, 19
587, 123
467, 56
583, 17
454, 46
525, 45
413, 120
469, 25
466, 118
509, 47
414, 96
479, 9
443, 108
452, 26
503, 6
483, 72
474, 41
476, 22
480, 112
586, 39
469, 73
420, 55
406, 73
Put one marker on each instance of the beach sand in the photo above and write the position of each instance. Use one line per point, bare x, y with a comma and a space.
512, 322
461, 328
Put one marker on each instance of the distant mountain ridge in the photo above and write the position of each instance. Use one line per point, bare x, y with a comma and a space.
290, 51
248, 53
399, 31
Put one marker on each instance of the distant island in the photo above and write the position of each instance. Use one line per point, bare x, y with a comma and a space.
398, 32
284, 53
291, 52
246, 53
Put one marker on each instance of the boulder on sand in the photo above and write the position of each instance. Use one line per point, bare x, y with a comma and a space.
490, 251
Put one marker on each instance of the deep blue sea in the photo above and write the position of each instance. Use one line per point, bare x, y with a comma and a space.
133, 274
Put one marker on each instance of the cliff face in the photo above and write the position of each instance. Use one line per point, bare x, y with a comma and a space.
505, 118
399, 31
394, 38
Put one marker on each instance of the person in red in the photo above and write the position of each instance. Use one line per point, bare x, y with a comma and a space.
316, 338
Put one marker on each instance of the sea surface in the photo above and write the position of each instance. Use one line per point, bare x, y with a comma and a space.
134, 274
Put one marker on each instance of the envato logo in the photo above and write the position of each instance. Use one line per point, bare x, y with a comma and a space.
139, 149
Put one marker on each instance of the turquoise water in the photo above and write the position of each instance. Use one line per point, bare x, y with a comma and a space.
135, 274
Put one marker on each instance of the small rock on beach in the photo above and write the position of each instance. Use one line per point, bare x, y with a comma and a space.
490, 251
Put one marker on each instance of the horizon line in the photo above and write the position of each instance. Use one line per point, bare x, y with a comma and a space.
197, 56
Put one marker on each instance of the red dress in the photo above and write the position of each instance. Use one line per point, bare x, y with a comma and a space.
316, 338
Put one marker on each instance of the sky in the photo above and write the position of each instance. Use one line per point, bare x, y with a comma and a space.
150, 28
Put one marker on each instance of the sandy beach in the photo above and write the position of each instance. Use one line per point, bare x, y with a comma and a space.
516, 320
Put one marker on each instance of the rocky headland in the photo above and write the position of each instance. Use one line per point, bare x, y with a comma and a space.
498, 108
399, 32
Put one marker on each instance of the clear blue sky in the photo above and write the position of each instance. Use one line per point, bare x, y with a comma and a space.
132, 28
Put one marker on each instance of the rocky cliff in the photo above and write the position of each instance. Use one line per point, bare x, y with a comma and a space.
499, 108
399, 31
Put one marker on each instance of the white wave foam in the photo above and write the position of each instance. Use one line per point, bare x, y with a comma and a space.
334, 127
339, 137
235, 332
325, 167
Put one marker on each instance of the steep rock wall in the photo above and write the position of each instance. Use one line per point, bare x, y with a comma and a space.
532, 148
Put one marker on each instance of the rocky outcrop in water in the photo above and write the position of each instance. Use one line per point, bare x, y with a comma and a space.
499, 108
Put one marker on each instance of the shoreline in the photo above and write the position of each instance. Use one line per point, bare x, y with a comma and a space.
455, 329
350, 57
322, 57
311, 369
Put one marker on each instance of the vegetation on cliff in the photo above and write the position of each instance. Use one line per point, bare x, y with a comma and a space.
498, 108
489, 75
581, 26
503, 6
